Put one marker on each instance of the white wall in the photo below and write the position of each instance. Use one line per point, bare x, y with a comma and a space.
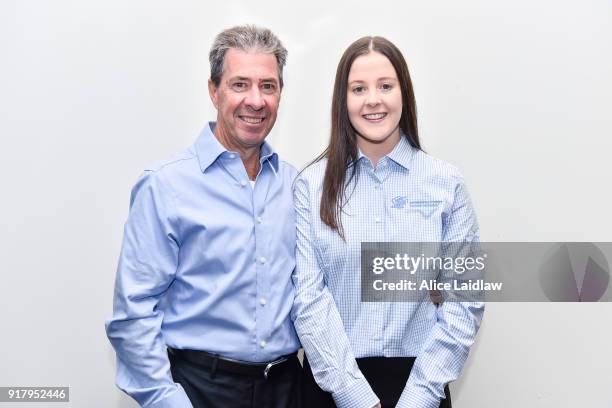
515, 93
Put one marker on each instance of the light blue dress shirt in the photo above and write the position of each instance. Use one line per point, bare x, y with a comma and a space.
386, 205
206, 264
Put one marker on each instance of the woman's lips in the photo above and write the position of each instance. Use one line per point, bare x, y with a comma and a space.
374, 117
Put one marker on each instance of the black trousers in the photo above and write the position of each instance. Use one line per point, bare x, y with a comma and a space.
218, 389
387, 377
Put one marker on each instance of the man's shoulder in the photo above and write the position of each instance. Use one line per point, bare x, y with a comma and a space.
173, 163
165, 174
287, 169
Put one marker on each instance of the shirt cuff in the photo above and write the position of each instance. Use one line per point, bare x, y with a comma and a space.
177, 399
421, 397
358, 395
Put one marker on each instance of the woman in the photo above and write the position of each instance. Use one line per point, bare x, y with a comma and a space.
371, 184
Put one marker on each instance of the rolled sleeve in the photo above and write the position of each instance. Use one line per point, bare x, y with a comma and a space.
419, 398
359, 394
177, 398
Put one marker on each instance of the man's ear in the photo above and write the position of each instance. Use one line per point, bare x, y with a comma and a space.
213, 92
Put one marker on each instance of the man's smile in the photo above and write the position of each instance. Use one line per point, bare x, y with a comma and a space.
252, 120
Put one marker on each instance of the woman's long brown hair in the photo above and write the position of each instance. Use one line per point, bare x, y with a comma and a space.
341, 153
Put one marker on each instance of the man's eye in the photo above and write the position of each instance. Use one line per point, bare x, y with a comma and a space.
269, 87
239, 86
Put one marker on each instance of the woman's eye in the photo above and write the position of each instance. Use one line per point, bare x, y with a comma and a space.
358, 89
386, 87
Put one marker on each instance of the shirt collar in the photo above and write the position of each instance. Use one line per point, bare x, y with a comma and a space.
401, 153
208, 149
267, 154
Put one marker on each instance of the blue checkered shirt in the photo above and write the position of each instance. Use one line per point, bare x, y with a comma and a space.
334, 326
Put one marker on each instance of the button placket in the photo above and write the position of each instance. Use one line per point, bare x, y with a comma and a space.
380, 195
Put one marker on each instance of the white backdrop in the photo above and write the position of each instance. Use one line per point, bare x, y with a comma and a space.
515, 93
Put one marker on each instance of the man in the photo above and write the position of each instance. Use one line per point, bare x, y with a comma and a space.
203, 289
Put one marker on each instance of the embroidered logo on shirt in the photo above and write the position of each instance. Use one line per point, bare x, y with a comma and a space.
421, 204
425, 207
399, 202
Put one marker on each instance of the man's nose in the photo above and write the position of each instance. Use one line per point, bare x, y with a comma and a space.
255, 99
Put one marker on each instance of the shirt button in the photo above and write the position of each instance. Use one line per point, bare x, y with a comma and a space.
377, 219
232, 156
243, 183
259, 220
262, 260
263, 344
263, 301
377, 186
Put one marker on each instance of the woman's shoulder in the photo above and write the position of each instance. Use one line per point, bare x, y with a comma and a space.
427, 165
309, 181
313, 172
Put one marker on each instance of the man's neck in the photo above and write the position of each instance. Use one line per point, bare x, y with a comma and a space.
248, 155
251, 165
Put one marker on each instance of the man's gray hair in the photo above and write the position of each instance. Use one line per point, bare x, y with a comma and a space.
245, 38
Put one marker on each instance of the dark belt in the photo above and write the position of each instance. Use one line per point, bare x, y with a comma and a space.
214, 362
